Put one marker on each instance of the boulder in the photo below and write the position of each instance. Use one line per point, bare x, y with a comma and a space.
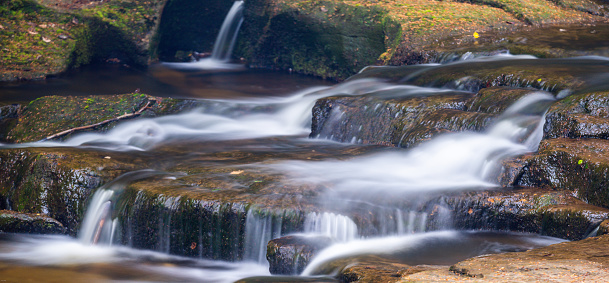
290, 255
14, 222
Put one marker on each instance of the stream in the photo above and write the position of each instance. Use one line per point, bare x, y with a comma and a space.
272, 129
211, 186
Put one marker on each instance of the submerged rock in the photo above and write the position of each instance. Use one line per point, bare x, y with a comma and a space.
14, 222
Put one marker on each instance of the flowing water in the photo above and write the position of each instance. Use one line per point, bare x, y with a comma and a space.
367, 199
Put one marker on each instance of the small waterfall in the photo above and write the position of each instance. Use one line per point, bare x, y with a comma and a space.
99, 224
259, 230
98, 213
336, 226
225, 41
223, 47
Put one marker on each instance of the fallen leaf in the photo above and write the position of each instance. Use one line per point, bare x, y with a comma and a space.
236, 172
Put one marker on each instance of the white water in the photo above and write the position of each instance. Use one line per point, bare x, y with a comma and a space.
259, 230
223, 47
338, 227
450, 162
227, 120
418, 247
60, 251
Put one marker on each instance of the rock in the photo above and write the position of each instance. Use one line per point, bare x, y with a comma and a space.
396, 121
55, 182
49, 115
580, 261
534, 210
578, 165
89, 33
14, 222
371, 268
579, 116
290, 255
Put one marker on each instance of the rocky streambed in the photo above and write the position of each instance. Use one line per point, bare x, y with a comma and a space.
218, 195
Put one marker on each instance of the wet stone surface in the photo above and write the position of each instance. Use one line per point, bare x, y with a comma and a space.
290, 254
14, 222
580, 261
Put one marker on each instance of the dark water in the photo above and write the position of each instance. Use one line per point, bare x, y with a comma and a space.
159, 80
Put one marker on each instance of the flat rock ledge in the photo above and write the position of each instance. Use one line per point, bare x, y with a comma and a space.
581, 261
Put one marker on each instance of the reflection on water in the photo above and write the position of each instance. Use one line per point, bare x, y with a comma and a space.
161, 81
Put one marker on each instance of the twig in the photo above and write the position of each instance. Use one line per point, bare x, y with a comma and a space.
125, 116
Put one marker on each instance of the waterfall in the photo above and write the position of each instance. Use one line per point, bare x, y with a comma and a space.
99, 224
259, 230
225, 41
335, 226
223, 47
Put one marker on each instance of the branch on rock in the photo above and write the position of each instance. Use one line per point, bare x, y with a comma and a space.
150, 102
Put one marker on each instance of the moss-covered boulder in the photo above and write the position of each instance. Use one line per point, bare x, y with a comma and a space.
336, 39
579, 165
410, 117
46, 37
579, 116
55, 182
14, 222
331, 39
50, 115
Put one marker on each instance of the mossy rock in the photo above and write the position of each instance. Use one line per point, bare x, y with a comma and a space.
405, 120
46, 37
579, 116
49, 115
323, 38
13, 222
57, 182
533, 210
579, 165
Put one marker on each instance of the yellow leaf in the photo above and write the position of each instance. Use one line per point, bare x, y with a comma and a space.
476, 35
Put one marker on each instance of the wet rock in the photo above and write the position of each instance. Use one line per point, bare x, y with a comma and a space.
290, 255
371, 268
300, 36
579, 116
534, 210
89, 33
14, 222
404, 121
578, 165
397, 121
56, 182
580, 261
50, 115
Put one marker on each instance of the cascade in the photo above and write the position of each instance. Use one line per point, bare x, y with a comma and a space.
384, 202
223, 47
